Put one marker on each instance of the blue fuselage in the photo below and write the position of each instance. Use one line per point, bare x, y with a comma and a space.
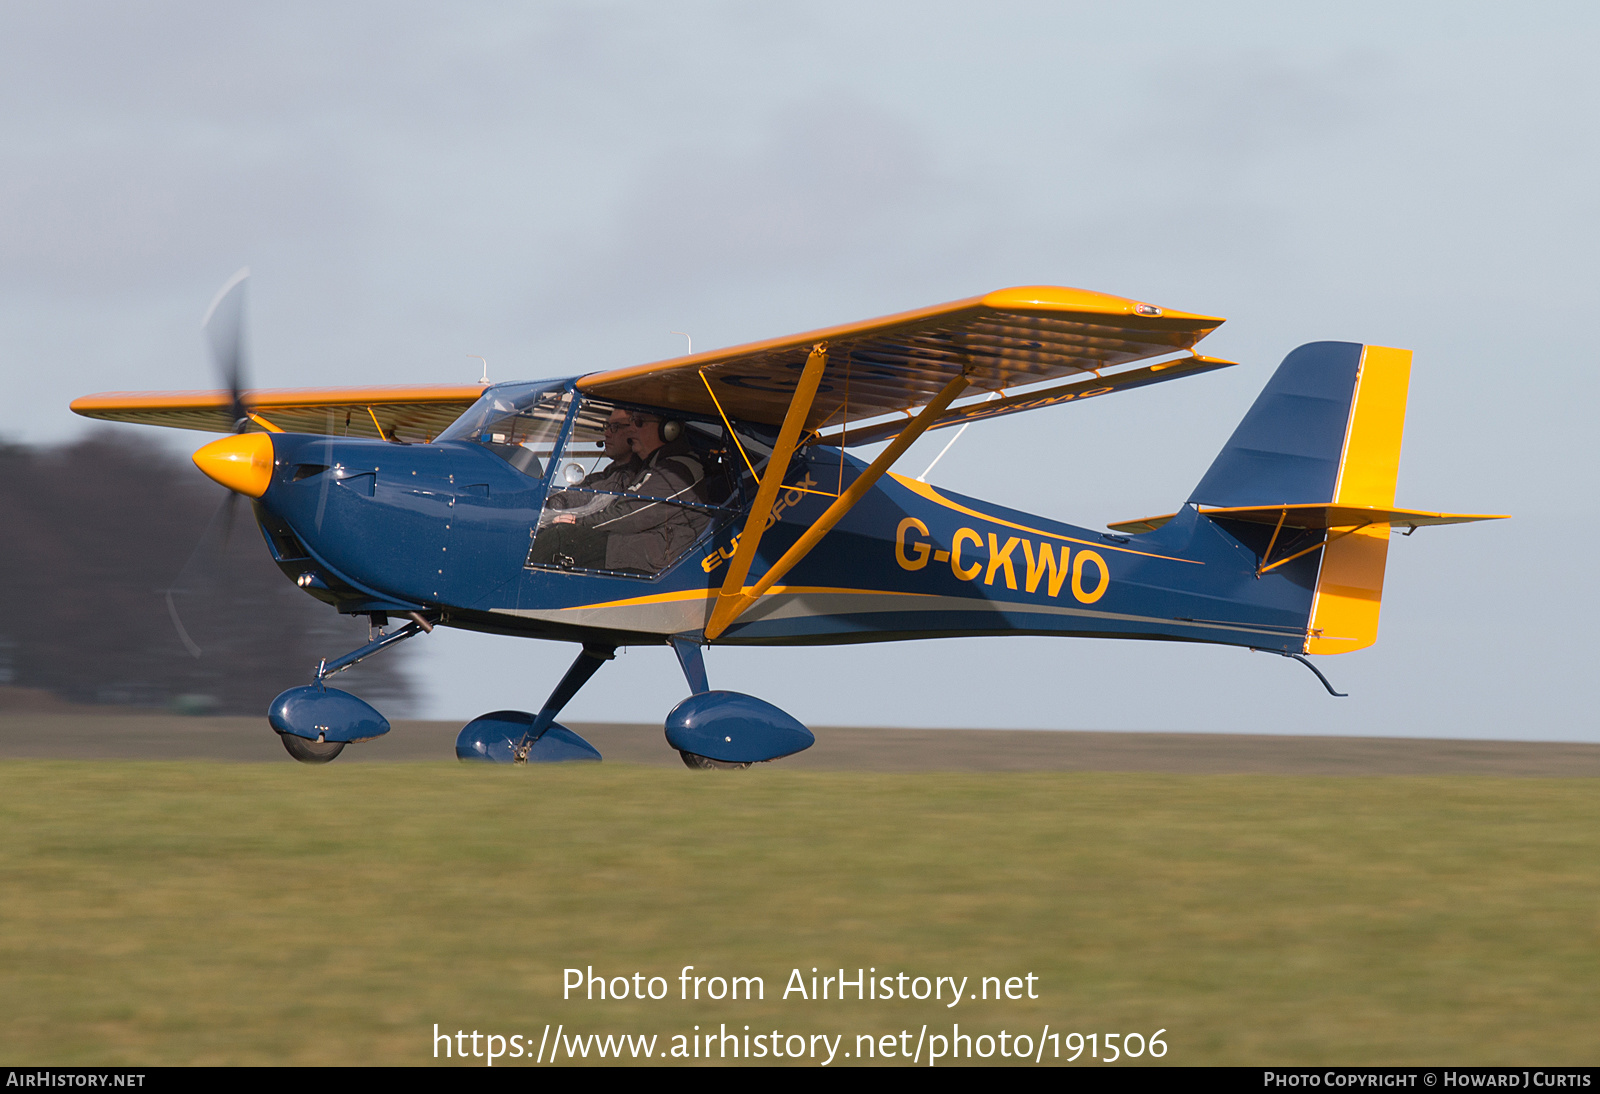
445, 528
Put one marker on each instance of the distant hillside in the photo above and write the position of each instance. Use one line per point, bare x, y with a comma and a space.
95, 535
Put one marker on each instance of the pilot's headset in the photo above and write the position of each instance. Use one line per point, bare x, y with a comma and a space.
671, 429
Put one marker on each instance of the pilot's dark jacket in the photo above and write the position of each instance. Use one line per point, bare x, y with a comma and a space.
647, 531
616, 477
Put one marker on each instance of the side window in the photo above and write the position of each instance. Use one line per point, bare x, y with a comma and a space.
635, 489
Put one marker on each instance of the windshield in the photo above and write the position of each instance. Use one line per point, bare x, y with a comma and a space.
500, 402
518, 422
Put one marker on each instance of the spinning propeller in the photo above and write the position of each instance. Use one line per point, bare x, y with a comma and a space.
241, 462
224, 330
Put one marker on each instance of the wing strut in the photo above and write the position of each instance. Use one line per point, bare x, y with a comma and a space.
733, 599
731, 596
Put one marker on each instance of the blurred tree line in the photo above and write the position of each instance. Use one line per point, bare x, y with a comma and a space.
104, 540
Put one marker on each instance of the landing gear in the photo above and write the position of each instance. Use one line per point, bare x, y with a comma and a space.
501, 738
517, 737
706, 763
1301, 658
724, 730
310, 752
315, 722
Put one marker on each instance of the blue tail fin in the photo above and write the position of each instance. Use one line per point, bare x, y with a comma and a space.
1324, 437
1290, 445
1319, 454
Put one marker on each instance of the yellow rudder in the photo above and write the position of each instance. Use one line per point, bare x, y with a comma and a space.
1344, 609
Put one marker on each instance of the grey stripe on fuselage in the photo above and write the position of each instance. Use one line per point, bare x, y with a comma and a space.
678, 617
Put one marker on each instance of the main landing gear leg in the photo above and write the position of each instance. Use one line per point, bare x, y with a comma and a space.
517, 737
587, 664
693, 663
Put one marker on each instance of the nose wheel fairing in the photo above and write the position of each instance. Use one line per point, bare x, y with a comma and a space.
325, 715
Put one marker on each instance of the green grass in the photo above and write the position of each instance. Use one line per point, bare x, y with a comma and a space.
198, 913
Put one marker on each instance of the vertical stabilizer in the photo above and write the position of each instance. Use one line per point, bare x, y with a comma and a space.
1326, 429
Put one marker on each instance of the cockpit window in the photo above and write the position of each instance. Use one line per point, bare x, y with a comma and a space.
637, 488
518, 422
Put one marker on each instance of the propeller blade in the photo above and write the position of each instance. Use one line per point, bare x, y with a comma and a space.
224, 328
188, 643
209, 549
230, 506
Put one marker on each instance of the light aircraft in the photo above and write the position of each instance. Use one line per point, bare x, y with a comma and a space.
712, 500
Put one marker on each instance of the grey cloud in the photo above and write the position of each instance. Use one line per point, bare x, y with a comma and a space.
829, 187
1257, 104
116, 216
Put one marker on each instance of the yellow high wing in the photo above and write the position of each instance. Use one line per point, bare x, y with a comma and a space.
412, 412
828, 379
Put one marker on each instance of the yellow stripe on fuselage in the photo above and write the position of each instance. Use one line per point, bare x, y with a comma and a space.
708, 594
937, 498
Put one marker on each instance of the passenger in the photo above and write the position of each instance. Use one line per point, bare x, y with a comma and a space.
645, 524
645, 535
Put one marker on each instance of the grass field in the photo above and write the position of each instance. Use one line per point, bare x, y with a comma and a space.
210, 913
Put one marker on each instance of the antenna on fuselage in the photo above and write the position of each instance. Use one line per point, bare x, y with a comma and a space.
485, 360
686, 335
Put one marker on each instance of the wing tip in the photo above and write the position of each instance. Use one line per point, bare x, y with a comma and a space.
1068, 299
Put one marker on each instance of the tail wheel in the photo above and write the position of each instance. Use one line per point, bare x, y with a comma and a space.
706, 763
310, 752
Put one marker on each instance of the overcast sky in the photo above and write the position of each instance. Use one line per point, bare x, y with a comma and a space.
558, 186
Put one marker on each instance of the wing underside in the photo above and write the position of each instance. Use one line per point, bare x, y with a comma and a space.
417, 412
1006, 340
876, 369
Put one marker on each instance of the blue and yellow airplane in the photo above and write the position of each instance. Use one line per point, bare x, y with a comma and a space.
712, 499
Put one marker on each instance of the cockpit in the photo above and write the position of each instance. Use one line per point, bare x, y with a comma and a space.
631, 489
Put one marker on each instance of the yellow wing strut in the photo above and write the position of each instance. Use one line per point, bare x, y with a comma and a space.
730, 599
734, 599
262, 422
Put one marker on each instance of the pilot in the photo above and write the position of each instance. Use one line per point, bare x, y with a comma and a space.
567, 536
623, 469
656, 526
643, 526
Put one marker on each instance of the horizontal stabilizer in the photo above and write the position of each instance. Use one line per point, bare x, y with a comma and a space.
1142, 525
1317, 456
1314, 515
